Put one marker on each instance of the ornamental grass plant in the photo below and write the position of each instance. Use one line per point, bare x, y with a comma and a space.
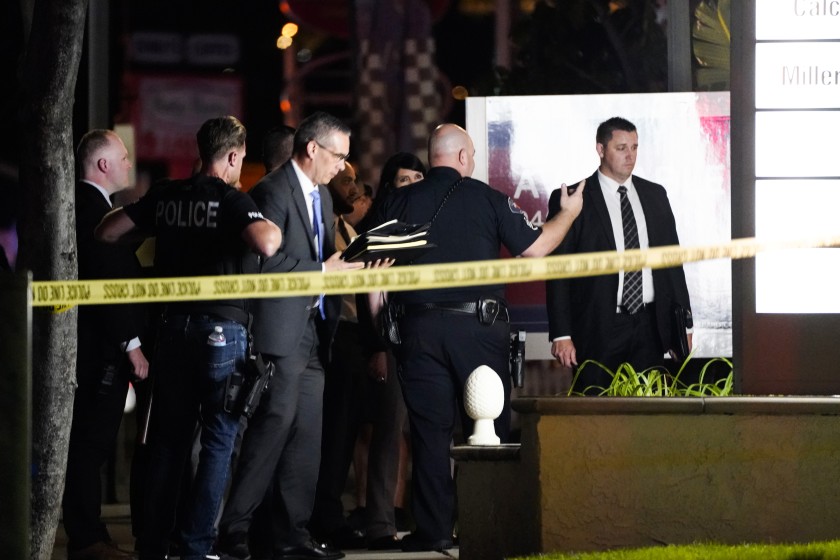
656, 382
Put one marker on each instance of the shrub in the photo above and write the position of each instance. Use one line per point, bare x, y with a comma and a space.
656, 382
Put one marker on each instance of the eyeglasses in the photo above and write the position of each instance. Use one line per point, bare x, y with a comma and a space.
339, 157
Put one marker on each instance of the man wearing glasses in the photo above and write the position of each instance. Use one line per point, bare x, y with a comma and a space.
282, 444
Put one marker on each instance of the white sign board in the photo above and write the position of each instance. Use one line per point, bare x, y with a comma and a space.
528, 146
797, 168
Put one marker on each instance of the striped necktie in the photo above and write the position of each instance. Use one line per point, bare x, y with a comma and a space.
631, 297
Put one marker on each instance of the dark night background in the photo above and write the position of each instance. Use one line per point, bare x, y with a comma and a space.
557, 47
257, 25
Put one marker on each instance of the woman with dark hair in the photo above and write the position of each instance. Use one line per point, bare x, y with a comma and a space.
401, 170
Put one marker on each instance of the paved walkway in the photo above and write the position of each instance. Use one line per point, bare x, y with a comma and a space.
119, 525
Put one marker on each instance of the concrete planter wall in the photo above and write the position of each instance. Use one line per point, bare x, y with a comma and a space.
601, 473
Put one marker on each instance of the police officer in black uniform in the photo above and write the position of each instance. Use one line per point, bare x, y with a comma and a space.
204, 226
447, 333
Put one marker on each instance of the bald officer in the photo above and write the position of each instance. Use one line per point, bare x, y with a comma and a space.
447, 333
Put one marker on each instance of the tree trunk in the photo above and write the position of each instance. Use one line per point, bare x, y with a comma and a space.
48, 244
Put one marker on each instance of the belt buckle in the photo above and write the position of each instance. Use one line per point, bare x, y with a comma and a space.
622, 309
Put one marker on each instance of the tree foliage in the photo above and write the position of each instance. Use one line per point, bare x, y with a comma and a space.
587, 46
712, 37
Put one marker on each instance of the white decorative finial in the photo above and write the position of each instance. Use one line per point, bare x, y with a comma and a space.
130, 399
484, 399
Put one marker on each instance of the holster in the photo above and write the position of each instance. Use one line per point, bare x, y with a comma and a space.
488, 309
517, 358
244, 389
389, 323
258, 374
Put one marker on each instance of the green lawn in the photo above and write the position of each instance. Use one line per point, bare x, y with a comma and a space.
814, 551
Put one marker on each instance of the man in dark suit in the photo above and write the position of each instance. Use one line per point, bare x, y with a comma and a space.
109, 350
345, 373
282, 442
624, 317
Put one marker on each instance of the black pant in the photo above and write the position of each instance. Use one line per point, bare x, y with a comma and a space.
343, 399
97, 411
633, 339
282, 443
387, 414
439, 350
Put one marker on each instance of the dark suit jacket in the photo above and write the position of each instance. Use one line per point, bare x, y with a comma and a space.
103, 327
280, 322
582, 307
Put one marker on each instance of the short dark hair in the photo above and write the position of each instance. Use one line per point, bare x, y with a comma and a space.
93, 141
400, 160
317, 126
606, 129
277, 146
218, 136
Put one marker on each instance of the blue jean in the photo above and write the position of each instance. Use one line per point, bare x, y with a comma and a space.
190, 377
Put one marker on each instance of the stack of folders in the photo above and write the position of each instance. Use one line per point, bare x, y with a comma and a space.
391, 240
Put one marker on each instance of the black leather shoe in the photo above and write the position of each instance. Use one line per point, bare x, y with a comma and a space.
346, 537
388, 542
413, 543
234, 546
307, 551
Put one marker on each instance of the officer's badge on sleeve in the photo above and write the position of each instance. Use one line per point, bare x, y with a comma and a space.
514, 208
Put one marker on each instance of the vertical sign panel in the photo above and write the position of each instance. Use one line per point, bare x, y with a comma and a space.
797, 169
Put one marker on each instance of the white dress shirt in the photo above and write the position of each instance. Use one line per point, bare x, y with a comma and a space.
609, 188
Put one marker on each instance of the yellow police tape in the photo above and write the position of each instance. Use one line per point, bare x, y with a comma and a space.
64, 294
